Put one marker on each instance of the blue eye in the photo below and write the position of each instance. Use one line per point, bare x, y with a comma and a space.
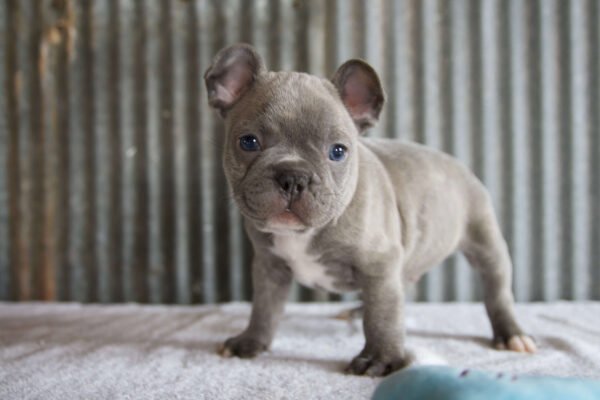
337, 152
249, 143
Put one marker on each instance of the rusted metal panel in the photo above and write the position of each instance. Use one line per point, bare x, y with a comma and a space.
112, 187
4, 175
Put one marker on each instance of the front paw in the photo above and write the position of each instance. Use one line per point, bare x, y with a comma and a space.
376, 365
519, 342
242, 346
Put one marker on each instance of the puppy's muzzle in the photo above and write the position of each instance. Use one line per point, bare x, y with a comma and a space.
293, 183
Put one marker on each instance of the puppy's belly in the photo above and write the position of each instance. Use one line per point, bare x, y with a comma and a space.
306, 268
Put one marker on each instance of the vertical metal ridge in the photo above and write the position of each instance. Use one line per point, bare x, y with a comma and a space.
550, 159
314, 34
78, 175
166, 143
101, 138
274, 31
494, 83
5, 171
373, 42
432, 126
389, 26
475, 94
220, 197
14, 261
245, 24
194, 113
417, 89
446, 134
446, 72
102, 135
405, 76
206, 285
358, 28
54, 44
127, 151
141, 210
491, 133
537, 206
64, 57
154, 78
461, 125
593, 15
180, 178
331, 36
445, 67
343, 18
76, 283
267, 27
564, 109
301, 44
505, 116
250, 31
24, 68
87, 130
36, 138
115, 161
580, 95
520, 210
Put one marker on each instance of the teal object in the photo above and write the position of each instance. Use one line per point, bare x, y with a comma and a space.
445, 383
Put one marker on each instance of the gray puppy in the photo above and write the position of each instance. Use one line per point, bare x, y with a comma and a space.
341, 212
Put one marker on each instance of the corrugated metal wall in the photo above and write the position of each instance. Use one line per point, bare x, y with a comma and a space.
111, 186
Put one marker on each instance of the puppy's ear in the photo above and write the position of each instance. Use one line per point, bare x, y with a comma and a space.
233, 71
361, 92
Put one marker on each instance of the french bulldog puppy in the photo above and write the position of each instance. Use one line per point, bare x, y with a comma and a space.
338, 211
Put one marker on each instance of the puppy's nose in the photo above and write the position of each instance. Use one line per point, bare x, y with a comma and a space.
293, 183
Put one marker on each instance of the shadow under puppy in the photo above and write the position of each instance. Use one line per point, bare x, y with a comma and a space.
338, 211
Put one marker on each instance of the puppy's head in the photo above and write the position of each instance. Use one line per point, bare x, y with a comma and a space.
290, 153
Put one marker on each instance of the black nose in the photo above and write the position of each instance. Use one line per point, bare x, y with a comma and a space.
293, 183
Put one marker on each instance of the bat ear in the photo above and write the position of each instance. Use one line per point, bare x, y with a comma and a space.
361, 92
232, 72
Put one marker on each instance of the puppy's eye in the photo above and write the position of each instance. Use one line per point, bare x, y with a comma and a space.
337, 152
249, 143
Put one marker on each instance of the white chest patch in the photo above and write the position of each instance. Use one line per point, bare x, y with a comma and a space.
307, 270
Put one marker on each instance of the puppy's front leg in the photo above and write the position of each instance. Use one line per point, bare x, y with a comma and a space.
271, 280
383, 353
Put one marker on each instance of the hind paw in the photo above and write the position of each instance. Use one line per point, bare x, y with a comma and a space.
519, 343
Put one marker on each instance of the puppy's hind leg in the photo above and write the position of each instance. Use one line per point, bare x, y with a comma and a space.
487, 252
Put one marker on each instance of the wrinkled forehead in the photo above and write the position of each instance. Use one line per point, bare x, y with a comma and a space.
295, 105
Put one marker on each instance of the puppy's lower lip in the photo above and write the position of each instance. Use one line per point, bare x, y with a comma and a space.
288, 217
285, 220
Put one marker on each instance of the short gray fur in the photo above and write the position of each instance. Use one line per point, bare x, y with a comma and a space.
374, 220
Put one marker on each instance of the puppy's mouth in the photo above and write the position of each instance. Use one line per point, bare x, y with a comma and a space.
278, 216
285, 220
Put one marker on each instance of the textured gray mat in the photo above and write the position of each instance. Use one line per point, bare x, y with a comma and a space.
70, 351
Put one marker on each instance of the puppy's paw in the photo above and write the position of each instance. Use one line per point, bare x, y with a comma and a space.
241, 346
365, 364
520, 343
